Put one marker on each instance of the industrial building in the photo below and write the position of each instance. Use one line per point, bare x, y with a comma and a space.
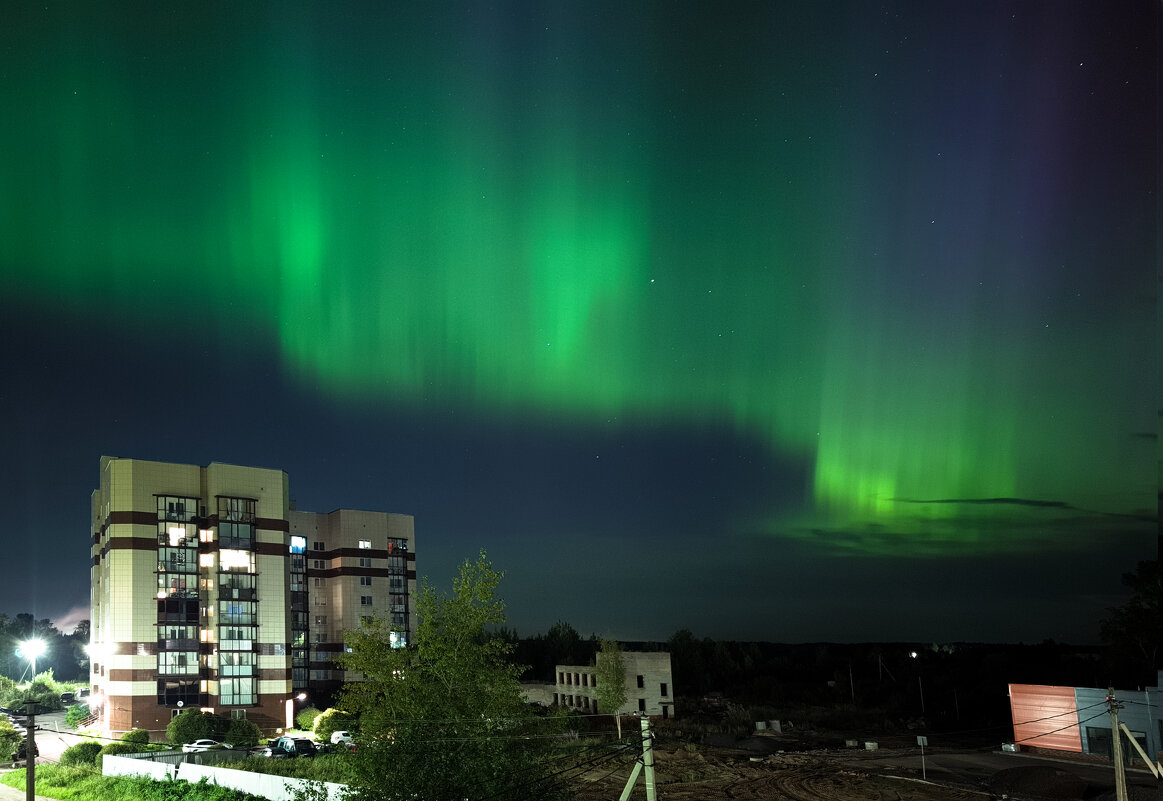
210, 591
649, 686
1077, 719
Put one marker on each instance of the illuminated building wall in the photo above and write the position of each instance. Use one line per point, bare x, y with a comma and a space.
200, 594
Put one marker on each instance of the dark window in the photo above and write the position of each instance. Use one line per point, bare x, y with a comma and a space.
641, 704
641, 682
662, 690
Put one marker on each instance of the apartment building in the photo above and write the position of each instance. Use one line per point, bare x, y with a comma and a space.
649, 686
202, 593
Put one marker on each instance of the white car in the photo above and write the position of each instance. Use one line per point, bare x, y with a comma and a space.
202, 745
340, 737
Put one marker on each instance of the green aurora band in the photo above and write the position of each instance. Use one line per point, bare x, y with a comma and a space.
441, 227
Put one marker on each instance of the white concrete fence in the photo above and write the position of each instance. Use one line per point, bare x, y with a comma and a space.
276, 788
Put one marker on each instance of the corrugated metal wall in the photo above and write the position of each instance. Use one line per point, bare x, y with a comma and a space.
1045, 717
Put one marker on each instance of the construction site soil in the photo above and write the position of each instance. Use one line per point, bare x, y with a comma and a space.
767, 768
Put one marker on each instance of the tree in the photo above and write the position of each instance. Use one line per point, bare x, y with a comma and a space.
193, 724
1134, 631
444, 719
610, 673
331, 721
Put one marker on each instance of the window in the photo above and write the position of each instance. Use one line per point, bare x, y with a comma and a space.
322, 619
318, 582
238, 714
662, 689
365, 544
318, 564
365, 581
641, 704
177, 663
175, 508
641, 682
593, 681
320, 637
317, 546
365, 562
585, 679
365, 600
238, 510
236, 691
238, 663
237, 560
365, 619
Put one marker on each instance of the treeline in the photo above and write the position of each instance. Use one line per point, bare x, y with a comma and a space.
949, 686
63, 653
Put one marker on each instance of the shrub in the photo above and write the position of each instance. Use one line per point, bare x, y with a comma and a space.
117, 748
139, 736
194, 725
9, 739
77, 713
306, 718
81, 753
331, 721
242, 732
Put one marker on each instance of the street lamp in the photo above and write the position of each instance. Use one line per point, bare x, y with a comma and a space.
30, 650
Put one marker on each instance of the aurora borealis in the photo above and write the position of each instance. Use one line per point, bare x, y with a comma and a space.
893, 262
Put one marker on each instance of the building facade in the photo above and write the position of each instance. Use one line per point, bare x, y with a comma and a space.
202, 593
1077, 719
649, 686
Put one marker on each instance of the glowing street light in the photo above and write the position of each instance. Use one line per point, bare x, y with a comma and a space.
30, 650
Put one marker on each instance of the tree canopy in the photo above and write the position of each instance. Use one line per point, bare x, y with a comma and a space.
444, 719
610, 673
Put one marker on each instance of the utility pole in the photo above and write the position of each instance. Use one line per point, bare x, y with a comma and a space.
646, 762
30, 754
1117, 743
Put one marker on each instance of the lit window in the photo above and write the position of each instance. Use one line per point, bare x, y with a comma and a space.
365, 544
206, 560
177, 534
298, 544
232, 558
206, 534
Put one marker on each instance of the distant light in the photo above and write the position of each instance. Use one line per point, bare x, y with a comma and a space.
302, 696
31, 649
913, 654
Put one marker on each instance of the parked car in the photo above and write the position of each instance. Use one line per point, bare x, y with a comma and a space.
68, 698
341, 737
290, 747
21, 754
82, 694
203, 745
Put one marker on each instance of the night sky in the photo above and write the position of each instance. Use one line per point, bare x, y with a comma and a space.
788, 321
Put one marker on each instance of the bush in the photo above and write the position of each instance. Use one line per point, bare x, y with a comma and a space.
9, 739
81, 753
117, 748
77, 713
306, 718
194, 725
332, 720
139, 736
242, 732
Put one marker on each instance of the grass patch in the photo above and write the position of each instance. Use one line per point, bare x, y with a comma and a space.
83, 783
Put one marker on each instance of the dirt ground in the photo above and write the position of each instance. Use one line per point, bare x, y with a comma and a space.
710, 774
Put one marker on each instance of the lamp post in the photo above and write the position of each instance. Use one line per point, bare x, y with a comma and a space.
30, 650
291, 709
